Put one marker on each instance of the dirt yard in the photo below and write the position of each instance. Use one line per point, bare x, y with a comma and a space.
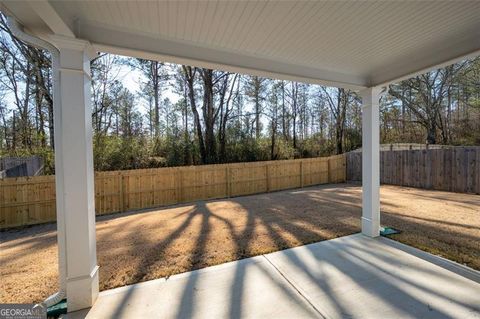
133, 247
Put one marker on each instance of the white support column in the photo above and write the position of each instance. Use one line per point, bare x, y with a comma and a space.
371, 162
74, 174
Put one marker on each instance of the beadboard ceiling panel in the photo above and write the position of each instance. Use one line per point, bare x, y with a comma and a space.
358, 43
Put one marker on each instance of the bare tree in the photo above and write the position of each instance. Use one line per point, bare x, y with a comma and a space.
424, 96
255, 90
338, 100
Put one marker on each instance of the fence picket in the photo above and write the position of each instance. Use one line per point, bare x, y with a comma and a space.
455, 169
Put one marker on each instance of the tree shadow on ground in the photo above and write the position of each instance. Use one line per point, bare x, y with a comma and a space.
262, 224
356, 264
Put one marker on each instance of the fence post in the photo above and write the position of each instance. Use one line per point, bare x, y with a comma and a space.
301, 173
229, 186
179, 184
267, 173
120, 185
328, 170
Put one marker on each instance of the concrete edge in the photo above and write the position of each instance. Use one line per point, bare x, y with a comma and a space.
447, 264
254, 260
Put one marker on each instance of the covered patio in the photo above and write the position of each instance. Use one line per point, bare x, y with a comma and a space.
349, 277
362, 46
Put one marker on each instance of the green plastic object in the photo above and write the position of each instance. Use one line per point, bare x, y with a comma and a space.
384, 231
56, 310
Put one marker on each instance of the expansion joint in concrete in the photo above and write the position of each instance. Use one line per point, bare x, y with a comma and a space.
292, 284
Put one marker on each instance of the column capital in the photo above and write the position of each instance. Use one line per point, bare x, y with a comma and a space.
370, 92
75, 44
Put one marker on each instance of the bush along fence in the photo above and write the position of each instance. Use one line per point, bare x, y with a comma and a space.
454, 169
29, 201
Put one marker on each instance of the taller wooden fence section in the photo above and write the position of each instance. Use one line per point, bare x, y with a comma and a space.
27, 201
21, 166
454, 169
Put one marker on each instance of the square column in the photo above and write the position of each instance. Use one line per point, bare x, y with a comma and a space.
74, 174
371, 162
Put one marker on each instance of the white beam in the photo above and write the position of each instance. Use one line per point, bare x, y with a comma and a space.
48, 14
154, 48
74, 173
370, 162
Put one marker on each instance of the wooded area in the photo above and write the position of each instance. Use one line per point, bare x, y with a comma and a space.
28, 201
183, 115
453, 169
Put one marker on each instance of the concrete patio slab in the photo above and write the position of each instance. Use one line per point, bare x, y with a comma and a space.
249, 288
348, 277
359, 277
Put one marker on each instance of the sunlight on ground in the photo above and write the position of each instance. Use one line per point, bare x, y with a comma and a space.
140, 246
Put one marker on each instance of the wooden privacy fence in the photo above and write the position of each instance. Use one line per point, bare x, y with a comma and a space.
28, 201
454, 169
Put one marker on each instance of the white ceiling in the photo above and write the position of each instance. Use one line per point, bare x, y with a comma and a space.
346, 43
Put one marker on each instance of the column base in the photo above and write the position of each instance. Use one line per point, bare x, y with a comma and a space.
370, 228
82, 291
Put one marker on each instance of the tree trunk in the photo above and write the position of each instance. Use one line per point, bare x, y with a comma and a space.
257, 108
41, 122
273, 155
186, 137
431, 134
209, 116
190, 78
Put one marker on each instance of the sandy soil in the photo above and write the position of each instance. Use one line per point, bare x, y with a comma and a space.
133, 247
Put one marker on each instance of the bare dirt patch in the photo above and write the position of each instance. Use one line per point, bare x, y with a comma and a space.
133, 247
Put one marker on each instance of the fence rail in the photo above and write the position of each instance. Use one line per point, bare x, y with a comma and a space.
31, 200
454, 169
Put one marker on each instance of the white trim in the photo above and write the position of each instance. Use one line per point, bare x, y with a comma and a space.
141, 46
218, 66
76, 71
62, 42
